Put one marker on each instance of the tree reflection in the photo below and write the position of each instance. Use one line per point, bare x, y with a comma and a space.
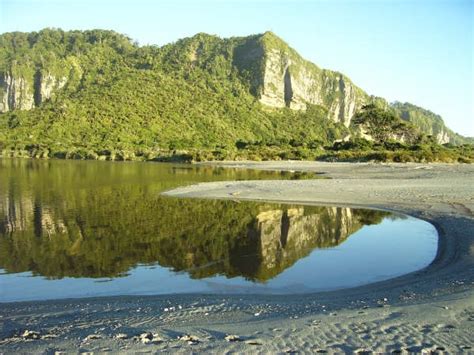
70, 219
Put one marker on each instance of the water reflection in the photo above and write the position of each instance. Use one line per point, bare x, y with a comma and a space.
90, 219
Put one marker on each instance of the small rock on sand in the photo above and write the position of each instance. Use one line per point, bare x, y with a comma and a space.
148, 337
93, 337
232, 338
30, 334
253, 342
190, 339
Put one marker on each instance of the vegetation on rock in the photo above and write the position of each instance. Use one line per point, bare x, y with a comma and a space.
97, 95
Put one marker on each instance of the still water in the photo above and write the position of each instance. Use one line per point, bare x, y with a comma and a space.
85, 228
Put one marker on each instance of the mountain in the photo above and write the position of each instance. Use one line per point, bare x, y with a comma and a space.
96, 94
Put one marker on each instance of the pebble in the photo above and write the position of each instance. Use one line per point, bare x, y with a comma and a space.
148, 337
145, 338
92, 337
30, 334
232, 338
190, 339
253, 342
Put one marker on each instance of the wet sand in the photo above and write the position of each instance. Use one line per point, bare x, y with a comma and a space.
428, 310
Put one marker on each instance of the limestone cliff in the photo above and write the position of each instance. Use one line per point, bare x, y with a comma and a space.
46, 86
24, 93
16, 92
290, 81
285, 79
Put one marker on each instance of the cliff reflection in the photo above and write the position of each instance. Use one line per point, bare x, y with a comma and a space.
83, 222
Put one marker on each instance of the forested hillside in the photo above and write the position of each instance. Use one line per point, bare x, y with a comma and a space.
97, 95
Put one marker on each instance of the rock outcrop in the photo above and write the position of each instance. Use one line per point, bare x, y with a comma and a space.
290, 81
46, 85
23, 93
16, 93
442, 137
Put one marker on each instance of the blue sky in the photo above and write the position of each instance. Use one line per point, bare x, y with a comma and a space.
420, 51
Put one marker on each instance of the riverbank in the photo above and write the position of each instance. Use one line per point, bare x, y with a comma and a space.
429, 309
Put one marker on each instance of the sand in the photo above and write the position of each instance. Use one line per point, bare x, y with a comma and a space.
428, 310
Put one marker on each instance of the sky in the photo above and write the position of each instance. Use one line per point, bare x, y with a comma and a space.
417, 51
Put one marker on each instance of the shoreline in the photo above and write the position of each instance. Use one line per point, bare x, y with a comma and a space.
429, 309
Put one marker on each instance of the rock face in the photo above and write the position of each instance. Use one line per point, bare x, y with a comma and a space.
15, 93
290, 81
442, 137
46, 85
20, 93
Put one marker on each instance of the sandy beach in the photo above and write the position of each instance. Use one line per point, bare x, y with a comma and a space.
428, 310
